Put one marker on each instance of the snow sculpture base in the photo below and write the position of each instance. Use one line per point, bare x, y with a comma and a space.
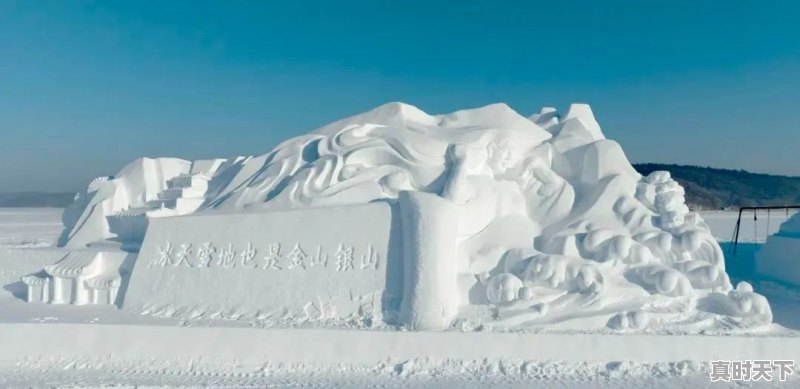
306, 265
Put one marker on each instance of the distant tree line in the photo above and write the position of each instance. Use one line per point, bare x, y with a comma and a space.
710, 188
36, 199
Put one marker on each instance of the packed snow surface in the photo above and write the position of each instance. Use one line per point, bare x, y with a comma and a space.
29, 227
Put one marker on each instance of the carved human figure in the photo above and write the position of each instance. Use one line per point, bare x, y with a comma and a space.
502, 174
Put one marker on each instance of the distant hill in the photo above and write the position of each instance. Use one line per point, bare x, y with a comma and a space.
36, 199
709, 188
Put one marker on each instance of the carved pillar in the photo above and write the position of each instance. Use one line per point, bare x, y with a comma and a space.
112, 295
31, 297
43, 298
430, 227
80, 293
58, 291
95, 295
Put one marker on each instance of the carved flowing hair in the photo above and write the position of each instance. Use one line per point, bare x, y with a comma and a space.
358, 164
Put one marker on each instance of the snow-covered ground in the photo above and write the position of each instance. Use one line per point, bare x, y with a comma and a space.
29, 227
158, 359
723, 224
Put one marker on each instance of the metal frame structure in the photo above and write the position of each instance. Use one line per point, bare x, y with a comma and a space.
755, 218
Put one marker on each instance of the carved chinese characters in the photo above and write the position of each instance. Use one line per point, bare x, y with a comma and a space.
269, 257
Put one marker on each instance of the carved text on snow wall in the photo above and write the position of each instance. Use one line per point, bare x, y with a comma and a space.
269, 257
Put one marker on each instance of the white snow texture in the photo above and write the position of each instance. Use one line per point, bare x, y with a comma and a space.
506, 220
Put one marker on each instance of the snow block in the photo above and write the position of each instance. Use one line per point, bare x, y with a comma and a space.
779, 258
429, 259
603, 159
304, 265
579, 121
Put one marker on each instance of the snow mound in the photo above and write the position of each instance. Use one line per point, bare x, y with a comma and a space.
552, 222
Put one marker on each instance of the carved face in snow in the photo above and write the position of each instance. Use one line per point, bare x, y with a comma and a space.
506, 152
501, 156
501, 152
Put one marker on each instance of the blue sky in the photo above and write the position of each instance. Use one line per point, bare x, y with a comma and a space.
86, 86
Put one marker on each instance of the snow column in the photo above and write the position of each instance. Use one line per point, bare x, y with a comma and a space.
430, 225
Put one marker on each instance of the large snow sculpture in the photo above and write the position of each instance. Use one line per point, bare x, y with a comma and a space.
506, 220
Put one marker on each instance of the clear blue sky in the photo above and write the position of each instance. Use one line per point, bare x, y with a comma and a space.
86, 86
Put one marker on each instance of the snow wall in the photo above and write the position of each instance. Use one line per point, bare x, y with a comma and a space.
779, 258
316, 264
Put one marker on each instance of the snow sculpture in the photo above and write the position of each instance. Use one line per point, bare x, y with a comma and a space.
429, 261
742, 307
70, 274
506, 220
326, 266
554, 222
103, 289
81, 277
119, 207
37, 288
